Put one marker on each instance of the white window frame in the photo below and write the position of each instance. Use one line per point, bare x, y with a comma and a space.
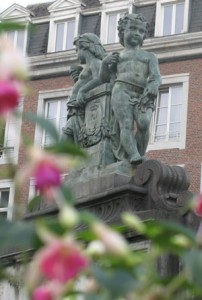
201, 180
17, 13
8, 184
64, 35
62, 11
118, 15
110, 7
160, 12
58, 111
43, 97
13, 156
24, 48
53, 31
171, 80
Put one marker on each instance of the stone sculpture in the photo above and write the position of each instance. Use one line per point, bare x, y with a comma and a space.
90, 53
112, 101
136, 83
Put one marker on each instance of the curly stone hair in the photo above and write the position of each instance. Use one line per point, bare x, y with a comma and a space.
124, 21
92, 43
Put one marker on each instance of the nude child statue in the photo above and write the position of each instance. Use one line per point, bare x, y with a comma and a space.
135, 87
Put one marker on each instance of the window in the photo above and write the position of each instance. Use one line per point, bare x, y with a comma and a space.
168, 129
171, 17
111, 12
112, 35
9, 140
18, 38
168, 116
56, 112
6, 199
65, 32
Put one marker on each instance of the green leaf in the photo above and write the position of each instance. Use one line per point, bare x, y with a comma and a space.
16, 236
170, 236
67, 148
67, 194
34, 204
8, 26
193, 266
118, 281
46, 125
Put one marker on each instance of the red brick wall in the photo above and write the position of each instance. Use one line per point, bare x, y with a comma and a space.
191, 157
28, 129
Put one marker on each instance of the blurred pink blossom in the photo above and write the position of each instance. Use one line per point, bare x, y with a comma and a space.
49, 291
47, 170
48, 177
42, 293
61, 260
198, 205
9, 97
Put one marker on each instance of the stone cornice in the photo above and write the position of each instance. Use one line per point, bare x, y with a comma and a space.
176, 47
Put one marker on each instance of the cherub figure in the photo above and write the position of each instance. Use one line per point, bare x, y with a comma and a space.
90, 53
135, 86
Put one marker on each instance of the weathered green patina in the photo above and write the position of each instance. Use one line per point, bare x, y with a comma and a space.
90, 53
135, 88
112, 101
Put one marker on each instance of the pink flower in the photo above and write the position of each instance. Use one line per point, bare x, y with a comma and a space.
42, 293
198, 205
61, 260
48, 176
50, 291
9, 97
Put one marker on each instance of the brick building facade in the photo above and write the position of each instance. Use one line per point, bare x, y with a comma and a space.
174, 35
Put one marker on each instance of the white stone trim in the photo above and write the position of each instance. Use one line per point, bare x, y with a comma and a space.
201, 180
109, 7
159, 15
43, 96
143, 2
8, 184
169, 80
13, 157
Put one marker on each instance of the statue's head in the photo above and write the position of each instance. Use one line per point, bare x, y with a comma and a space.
91, 43
132, 22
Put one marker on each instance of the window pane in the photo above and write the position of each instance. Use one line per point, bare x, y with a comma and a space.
175, 114
20, 39
3, 215
48, 140
179, 21
163, 99
70, 35
63, 114
174, 133
4, 198
11, 36
111, 38
63, 108
51, 110
176, 95
59, 37
167, 19
160, 133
